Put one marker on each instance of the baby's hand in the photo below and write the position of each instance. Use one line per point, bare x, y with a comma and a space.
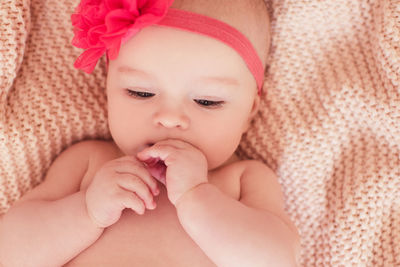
186, 165
119, 184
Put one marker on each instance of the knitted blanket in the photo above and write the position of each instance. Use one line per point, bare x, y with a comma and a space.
329, 124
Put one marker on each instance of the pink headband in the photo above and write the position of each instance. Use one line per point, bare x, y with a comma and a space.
101, 26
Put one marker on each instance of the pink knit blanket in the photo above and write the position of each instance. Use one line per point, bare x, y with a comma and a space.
329, 123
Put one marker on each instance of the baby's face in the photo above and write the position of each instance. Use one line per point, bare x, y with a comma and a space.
172, 84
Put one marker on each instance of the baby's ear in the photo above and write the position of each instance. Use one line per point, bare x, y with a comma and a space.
254, 111
256, 106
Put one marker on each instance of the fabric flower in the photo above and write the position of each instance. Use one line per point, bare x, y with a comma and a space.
101, 26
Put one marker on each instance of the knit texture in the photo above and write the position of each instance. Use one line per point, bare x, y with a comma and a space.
329, 123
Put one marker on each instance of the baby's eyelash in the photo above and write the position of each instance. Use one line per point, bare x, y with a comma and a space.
139, 94
209, 103
201, 102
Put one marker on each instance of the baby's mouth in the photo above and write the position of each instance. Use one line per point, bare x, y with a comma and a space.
156, 167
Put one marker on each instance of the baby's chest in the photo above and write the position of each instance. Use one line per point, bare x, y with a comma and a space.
153, 239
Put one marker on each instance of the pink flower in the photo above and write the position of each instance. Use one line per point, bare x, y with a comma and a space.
101, 26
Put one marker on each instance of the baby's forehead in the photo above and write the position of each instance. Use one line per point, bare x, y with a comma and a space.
182, 54
250, 17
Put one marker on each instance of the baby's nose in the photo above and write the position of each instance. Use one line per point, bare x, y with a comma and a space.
171, 118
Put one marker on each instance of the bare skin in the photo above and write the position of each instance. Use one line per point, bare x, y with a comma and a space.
156, 237
118, 244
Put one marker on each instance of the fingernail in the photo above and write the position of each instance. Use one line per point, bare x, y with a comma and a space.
156, 192
141, 153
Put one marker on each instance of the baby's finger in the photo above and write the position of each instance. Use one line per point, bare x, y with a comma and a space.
156, 151
131, 201
131, 166
135, 184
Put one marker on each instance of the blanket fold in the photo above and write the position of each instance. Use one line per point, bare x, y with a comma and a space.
14, 30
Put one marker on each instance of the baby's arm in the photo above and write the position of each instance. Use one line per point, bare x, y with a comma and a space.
254, 231
50, 225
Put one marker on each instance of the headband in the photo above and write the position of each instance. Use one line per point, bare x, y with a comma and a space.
101, 26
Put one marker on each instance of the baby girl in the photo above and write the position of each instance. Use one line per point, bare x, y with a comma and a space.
184, 81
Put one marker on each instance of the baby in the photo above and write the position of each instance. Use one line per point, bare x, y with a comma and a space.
183, 84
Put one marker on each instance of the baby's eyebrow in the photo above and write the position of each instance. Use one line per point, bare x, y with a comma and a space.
220, 80
224, 80
129, 70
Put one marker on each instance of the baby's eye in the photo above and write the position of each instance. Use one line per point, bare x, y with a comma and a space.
139, 94
209, 103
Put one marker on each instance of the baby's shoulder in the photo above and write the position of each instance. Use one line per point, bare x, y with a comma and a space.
253, 173
98, 152
94, 151
94, 146
256, 175
249, 168
239, 177
260, 187
100, 149
86, 156
66, 173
